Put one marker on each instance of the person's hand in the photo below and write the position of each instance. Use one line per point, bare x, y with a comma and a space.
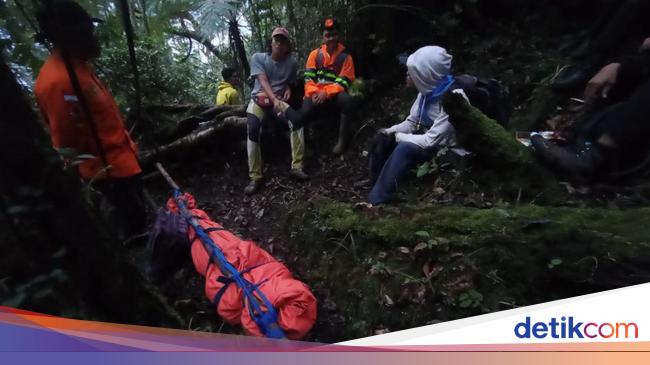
601, 84
319, 98
645, 46
286, 95
277, 104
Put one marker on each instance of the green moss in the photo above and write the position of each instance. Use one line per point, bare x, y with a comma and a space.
374, 272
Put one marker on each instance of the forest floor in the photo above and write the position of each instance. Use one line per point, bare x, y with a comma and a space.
315, 229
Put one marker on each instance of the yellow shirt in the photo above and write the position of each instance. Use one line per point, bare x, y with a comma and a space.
227, 94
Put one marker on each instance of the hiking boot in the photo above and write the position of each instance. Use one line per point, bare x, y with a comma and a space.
574, 78
253, 187
298, 174
344, 136
581, 165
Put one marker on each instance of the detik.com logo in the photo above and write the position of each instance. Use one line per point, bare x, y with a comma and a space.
568, 327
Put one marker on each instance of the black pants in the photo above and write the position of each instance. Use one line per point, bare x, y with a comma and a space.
627, 123
126, 194
622, 31
343, 102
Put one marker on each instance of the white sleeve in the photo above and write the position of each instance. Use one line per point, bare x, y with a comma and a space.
440, 133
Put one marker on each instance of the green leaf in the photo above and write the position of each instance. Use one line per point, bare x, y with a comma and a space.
424, 169
424, 234
554, 262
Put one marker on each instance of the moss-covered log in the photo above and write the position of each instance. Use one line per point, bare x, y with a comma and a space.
395, 268
499, 155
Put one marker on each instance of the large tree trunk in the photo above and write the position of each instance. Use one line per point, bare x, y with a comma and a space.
66, 261
233, 29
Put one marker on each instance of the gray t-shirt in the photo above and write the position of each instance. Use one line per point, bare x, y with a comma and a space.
280, 73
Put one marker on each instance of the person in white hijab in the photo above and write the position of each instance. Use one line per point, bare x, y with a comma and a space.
427, 127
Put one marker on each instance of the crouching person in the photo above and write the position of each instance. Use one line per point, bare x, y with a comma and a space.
424, 131
273, 72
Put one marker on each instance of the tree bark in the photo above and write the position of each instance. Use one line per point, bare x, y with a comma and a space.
199, 38
148, 157
233, 29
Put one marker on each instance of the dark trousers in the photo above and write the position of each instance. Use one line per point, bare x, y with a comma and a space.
342, 102
127, 196
627, 123
404, 157
622, 33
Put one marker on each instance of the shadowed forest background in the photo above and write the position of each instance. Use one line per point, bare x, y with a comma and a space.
466, 237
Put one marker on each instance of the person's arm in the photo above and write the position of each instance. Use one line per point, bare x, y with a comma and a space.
268, 90
409, 124
635, 68
440, 133
311, 86
629, 69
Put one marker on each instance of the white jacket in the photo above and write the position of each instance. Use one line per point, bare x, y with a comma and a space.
426, 67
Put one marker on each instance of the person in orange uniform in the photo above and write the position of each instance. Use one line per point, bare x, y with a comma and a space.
328, 75
90, 124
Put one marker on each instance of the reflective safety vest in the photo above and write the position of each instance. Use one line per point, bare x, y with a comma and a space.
328, 75
332, 74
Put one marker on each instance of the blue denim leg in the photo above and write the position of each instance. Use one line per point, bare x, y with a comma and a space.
404, 158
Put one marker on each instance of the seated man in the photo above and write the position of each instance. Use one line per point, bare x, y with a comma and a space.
425, 129
85, 117
615, 139
329, 72
227, 94
622, 28
273, 72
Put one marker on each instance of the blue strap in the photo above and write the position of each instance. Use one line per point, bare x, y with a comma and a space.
228, 281
267, 319
433, 97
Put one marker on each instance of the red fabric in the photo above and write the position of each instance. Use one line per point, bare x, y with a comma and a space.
293, 300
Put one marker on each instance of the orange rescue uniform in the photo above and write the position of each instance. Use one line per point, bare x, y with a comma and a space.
323, 77
69, 128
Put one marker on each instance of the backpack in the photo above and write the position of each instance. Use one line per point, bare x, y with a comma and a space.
488, 95
168, 241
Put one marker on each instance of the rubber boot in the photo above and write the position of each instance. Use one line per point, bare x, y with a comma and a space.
344, 135
254, 167
297, 139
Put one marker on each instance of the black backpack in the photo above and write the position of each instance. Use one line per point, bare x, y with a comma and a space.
488, 95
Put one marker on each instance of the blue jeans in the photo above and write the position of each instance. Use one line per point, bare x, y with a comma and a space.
404, 158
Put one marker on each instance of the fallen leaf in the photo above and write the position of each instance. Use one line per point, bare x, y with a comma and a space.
389, 301
420, 246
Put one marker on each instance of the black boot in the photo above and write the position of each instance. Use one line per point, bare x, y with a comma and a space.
575, 77
344, 135
582, 165
253, 187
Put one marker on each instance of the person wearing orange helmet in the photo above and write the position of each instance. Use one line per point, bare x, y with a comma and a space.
328, 75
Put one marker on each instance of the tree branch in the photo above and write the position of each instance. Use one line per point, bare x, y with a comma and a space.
199, 38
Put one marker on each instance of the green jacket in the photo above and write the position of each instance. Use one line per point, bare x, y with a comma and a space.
227, 94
